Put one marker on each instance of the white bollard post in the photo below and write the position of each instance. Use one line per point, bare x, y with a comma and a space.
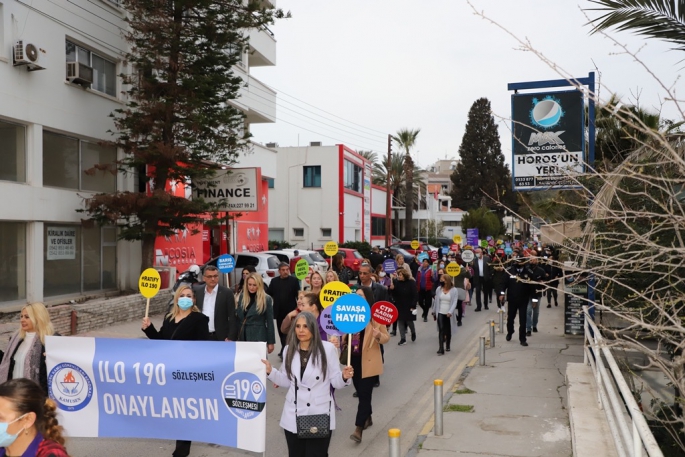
492, 333
501, 321
437, 391
394, 441
481, 350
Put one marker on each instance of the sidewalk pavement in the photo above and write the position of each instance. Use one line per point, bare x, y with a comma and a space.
519, 398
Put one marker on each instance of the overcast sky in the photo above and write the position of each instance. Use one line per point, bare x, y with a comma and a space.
352, 71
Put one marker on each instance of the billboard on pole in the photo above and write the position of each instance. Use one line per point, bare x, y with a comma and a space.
548, 140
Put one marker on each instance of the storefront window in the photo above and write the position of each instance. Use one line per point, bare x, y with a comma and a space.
79, 259
60, 161
13, 265
96, 179
12, 152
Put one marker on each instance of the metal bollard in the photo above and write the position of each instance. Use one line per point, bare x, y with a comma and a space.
492, 333
481, 351
394, 440
501, 321
437, 392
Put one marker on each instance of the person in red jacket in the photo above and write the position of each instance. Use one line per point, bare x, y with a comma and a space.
424, 284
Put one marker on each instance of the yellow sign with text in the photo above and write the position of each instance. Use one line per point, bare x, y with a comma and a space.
149, 283
415, 244
332, 291
457, 239
453, 269
331, 248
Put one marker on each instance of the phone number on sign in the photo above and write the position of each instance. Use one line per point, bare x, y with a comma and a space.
242, 206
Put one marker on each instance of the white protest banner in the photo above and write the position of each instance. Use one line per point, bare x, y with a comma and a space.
135, 388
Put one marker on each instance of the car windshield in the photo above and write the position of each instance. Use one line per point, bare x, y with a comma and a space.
272, 262
403, 252
316, 257
357, 255
308, 259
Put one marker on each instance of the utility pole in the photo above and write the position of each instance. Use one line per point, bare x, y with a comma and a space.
388, 222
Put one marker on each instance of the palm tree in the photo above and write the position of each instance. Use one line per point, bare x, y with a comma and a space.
661, 19
371, 156
406, 139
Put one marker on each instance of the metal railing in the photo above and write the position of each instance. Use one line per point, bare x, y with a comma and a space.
628, 426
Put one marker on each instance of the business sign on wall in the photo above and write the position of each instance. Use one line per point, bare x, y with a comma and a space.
548, 140
235, 190
61, 243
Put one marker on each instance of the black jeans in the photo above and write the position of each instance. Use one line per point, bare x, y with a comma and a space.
460, 310
425, 301
306, 448
522, 309
182, 449
364, 388
444, 331
282, 336
552, 292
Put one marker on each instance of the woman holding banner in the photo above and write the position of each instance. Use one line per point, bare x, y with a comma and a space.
310, 368
30, 422
255, 313
367, 363
185, 322
25, 355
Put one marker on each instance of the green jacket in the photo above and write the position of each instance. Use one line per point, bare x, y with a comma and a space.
255, 326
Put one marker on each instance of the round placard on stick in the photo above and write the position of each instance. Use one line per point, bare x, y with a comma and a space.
389, 266
326, 322
301, 269
457, 239
332, 291
415, 244
225, 263
149, 284
467, 255
384, 312
453, 269
331, 248
351, 313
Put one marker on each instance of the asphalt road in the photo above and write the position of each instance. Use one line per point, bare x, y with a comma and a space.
404, 399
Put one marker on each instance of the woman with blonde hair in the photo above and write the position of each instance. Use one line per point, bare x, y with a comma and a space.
30, 419
399, 259
185, 322
316, 282
25, 355
255, 313
331, 276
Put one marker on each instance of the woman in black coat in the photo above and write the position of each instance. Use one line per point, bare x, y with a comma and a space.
406, 297
185, 322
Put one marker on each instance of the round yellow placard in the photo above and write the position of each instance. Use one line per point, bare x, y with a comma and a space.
149, 283
332, 291
453, 269
415, 244
457, 239
331, 248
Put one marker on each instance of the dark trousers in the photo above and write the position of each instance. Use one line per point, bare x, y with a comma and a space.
182, 449
281, 335
364, 388
306, 448
484, 287
460, 310
425, 301
444, 331
552, 292
522, 308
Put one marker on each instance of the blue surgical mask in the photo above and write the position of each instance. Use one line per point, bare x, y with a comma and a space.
6, 439
185, 303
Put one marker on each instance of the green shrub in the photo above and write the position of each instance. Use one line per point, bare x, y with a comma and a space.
363, 247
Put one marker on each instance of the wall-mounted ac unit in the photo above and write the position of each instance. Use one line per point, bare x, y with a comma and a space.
26, 54
79, 73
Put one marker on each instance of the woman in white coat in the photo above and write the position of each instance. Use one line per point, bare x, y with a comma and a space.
310, 368
445, 304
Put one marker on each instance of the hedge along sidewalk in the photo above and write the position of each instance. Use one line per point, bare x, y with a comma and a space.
92, 315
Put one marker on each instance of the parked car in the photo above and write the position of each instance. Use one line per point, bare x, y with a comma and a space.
288, 257
265, 264
441, 241
351, 257
406, 254
406, 245
313, 257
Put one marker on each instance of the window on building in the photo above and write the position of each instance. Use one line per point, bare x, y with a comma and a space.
452, 223
271, 182
12, 152
104, 70
277, 234
75, 164
298, 232
326, 232
78, 260
352, 176
13, 266
377, 226
312, 176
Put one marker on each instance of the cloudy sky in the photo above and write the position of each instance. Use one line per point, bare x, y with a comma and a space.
352, 71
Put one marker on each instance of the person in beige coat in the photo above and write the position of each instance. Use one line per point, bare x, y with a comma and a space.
367, 363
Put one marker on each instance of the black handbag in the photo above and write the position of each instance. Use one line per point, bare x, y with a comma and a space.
314, 425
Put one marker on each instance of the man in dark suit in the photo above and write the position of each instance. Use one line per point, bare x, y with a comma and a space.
482, 278
376, 257
518, 291
218, 303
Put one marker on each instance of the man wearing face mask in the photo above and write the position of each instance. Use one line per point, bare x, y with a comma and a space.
482, 281
518, 291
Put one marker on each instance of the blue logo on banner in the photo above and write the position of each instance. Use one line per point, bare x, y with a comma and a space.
70, 387
422, 256
225, 263
351, 313
245, 395
389, 266
546, 113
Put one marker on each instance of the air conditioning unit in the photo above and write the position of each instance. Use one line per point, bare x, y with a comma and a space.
79, 73
27, 54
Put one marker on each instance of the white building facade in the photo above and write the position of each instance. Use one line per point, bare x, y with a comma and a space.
51, 123
324, 193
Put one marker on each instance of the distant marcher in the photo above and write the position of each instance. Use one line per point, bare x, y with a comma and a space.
283, 290
399, 260
243, 276
255, 314
535, 302
406, 297
482, 279
338, 266
518, 292
25, 354
316, 282
309, 371
380, 293
444, 311
424, 282
376, 258
30, 420
218, 304
331, 276
553, 273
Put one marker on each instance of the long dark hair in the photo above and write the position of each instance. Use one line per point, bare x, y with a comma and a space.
368, 294
317, 355
28, 397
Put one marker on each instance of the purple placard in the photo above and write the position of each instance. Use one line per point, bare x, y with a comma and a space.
389, 266
326, 322
472, 237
